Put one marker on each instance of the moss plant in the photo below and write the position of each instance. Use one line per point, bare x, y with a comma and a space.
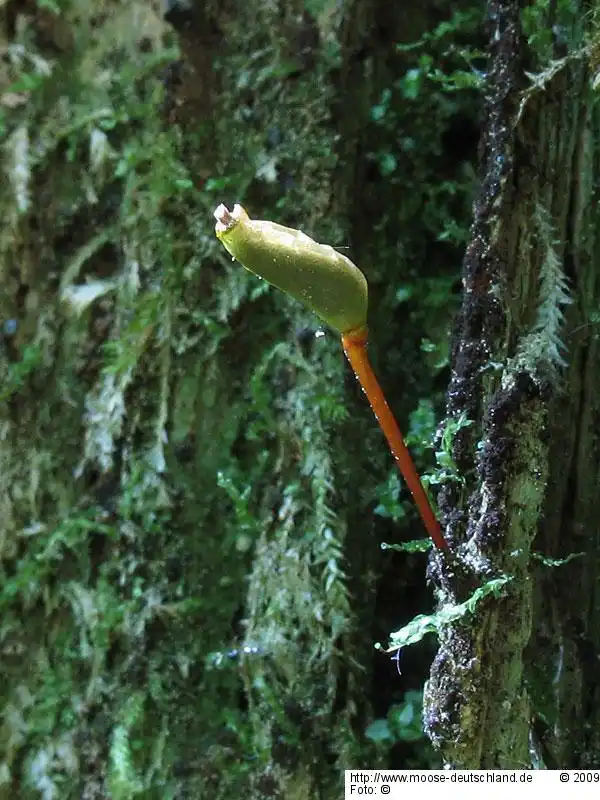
332, 286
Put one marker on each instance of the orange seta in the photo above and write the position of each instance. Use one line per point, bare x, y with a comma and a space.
355, 348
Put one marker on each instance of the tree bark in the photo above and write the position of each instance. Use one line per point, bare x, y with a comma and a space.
514, 686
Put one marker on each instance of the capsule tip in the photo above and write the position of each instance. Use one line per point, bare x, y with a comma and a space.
227, 219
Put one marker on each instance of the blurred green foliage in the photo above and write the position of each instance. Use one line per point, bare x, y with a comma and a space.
403, 722
191, 499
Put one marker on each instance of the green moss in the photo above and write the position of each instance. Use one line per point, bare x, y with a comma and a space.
183, 473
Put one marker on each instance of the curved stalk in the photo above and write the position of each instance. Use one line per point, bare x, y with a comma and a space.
335, 289
355, 348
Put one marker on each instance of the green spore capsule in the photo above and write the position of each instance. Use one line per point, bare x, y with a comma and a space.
316, 274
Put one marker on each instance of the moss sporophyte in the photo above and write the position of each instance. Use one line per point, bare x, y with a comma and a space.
336, 290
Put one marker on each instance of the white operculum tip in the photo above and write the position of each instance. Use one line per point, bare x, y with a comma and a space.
225, 219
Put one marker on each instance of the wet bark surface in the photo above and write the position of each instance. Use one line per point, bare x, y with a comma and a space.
509, 687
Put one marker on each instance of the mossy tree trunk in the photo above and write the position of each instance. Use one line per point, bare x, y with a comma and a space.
186, 504
517, 684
